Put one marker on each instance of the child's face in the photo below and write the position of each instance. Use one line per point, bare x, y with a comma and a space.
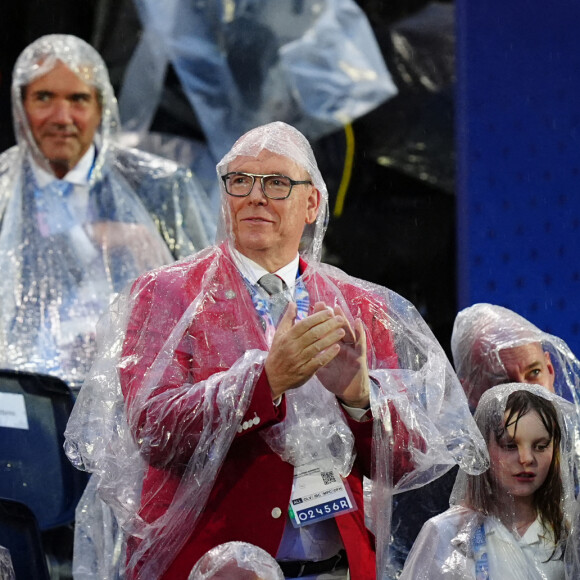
520, 461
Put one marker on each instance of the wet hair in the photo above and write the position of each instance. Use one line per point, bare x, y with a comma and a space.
482, 491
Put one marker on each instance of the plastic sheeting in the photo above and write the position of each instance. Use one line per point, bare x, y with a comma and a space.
177, 375
572, 556
414, 132
484, 340
63, 255
6, 569
237, 560
314, 64
504, 522
99, 543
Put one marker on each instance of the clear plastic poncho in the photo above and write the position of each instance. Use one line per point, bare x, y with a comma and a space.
572, 556
238, 560
482, 532
64, 250
180, 357
482, 331
315, 64
6, 568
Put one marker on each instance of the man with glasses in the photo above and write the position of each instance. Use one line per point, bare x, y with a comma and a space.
259, 387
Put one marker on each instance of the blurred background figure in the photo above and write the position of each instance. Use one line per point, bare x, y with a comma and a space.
313, 64
80, 215
238, 560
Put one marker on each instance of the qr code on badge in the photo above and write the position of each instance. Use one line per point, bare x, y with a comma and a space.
328, 477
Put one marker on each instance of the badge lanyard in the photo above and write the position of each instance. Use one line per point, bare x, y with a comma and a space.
480, 554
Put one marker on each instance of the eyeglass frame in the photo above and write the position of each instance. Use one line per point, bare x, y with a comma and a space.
293, 182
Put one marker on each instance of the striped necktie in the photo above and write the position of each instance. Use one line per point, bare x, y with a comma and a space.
275, 286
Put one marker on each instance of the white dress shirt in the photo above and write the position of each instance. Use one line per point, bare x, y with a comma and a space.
253, 271
536, 545
79, 177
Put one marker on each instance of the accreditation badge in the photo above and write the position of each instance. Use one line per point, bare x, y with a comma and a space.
319, 492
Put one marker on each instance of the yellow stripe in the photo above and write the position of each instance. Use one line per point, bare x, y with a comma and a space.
346, 172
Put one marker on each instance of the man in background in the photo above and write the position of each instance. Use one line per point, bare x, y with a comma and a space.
493, 345
79, 215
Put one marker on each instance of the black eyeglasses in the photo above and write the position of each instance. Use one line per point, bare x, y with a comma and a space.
274, 186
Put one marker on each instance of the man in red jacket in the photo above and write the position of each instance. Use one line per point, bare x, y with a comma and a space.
257, 403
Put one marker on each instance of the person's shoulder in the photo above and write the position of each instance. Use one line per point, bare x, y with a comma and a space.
352, 288
443, 538
455, 514
377, 300
8, 156
188, 271
449, 525
145, 164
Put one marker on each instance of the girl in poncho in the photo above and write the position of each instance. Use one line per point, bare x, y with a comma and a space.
513, 520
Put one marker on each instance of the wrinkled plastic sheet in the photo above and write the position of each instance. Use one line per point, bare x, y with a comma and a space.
314, 64
6, 568
238, 560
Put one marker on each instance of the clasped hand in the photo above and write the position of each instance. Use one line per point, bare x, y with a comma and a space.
322, 344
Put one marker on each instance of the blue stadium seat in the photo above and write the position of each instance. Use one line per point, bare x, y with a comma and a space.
33, 467
20, 535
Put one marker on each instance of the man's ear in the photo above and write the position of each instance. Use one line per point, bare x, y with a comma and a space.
551, 371
313, 205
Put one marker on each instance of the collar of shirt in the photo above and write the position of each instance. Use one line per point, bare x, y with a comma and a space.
533, 535
78, 175
253, 271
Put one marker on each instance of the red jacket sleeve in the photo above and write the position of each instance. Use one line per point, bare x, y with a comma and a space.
178, 406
